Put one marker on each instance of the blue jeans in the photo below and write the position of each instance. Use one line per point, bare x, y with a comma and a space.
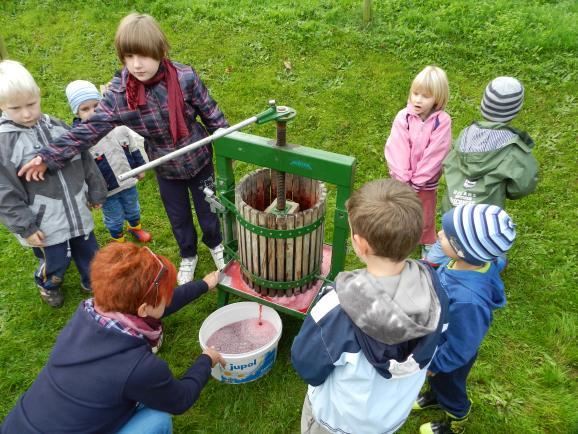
119, 207
148, 421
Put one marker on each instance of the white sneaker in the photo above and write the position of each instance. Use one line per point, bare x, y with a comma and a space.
187, 270
218, 256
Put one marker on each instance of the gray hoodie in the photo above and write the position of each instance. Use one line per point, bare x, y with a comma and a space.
57, 206
391, 309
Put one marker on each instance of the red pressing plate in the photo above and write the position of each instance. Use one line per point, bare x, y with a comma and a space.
299, 303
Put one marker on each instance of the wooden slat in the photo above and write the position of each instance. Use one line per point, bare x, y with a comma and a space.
253, 218
263, 256
298, 271
280, 223
289, 253
305, 265
260, 193
271, 266
267, 187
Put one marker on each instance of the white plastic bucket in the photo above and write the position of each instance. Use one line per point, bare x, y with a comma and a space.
243, 367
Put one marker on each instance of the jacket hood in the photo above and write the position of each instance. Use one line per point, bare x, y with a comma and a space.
8, 126
392, 309
486, 289
81, 344
475, 165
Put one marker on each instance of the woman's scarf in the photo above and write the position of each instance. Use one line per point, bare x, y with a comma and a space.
135, 96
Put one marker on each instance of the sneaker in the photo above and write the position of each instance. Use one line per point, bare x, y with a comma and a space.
187, 270
425, 400
85, 288
218, 256
449, 425
119, 239
139, 234
52, 297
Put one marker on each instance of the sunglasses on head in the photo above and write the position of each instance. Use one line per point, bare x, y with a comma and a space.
155, 283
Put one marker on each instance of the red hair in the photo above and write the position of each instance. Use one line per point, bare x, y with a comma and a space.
122, 273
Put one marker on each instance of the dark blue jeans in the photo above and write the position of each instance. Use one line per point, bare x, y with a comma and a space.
450, 389
119, 207
175, 197
54, 260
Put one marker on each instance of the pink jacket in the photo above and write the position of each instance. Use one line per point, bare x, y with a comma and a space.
416, 149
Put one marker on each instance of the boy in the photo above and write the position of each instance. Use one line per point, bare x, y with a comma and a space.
475, 237
53, 216
167, 103
366, 344
490, 160
118, 152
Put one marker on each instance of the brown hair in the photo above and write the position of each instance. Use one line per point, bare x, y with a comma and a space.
122, 273
140, 34
388, 214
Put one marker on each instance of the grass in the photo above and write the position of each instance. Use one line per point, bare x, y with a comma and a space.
347, 81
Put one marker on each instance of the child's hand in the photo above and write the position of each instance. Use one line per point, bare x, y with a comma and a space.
140, 176
430, 373
36, 239
215, 357
212, 279
34, 169
94, 205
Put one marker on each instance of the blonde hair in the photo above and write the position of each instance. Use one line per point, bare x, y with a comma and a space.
388, 214
140, 34
15, 80
434, 81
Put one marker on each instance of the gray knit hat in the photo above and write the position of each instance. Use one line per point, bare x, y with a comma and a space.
79, 91
502, 99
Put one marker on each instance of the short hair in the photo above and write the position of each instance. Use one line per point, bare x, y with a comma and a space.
388, 214
122, 273
15, 80
140, 34
435, 82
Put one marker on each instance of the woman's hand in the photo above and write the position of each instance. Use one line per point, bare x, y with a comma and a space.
36, 239
215, 357
34, 169
212, 279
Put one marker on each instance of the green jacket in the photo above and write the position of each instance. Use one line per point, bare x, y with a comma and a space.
490, 177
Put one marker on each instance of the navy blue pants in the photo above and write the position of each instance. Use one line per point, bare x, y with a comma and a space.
175, 197
450, 389
54, 260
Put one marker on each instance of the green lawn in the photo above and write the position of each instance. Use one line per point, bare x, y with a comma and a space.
346, 81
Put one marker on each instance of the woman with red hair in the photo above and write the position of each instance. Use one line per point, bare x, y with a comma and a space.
103, 375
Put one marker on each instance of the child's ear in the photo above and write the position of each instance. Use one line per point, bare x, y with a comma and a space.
142, 310
362, 245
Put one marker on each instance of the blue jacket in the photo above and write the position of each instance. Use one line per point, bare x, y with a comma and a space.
358, 384
96, 376
473, 298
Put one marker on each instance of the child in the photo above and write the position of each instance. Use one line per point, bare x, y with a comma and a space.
160, 100
102, 375
366, 344
490, 160
420, 139
52, 217
117, 153
473, 236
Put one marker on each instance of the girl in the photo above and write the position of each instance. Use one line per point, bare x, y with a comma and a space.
419, 141
160, 100
102, 375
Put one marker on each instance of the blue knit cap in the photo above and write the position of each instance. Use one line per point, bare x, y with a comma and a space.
479, 233
79, 91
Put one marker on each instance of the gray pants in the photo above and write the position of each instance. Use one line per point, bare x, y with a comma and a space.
308, 423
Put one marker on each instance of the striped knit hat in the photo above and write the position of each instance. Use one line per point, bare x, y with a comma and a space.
79, 91
479, 233
503, 99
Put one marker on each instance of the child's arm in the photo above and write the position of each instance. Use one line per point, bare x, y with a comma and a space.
135, 148
309, 354
397, 149
208, 110
468, 325
430, 164
523, 175
97, 190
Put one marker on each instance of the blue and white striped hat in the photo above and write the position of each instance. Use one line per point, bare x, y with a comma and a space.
502, 100
479, 233
79, 91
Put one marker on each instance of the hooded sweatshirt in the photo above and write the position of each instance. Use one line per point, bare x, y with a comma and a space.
96, 376
56, 206
488, 163
473, 297
365, 347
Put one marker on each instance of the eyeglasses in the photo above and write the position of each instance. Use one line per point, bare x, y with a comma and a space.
156, 282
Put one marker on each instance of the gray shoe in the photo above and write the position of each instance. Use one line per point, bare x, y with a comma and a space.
52, 297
